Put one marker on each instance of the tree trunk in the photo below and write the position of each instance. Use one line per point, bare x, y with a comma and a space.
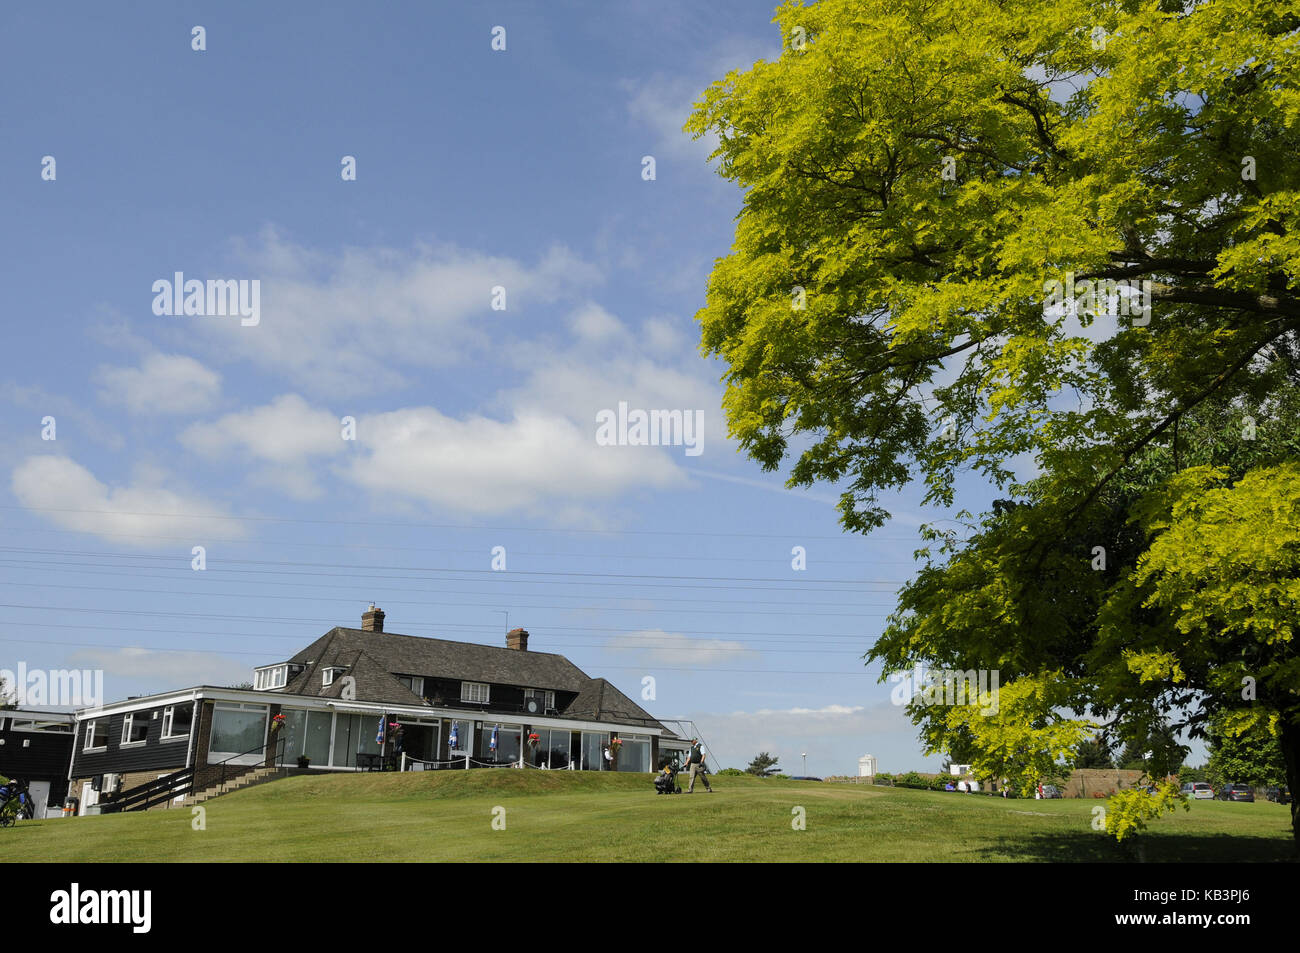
1290, 742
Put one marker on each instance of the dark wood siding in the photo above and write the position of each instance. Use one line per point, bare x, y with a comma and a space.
45, 758
502, 699
154, 754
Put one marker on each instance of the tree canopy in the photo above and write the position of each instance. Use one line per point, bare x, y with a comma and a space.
948, 208
764, 765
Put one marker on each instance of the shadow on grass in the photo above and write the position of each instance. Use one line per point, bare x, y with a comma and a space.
1156, 849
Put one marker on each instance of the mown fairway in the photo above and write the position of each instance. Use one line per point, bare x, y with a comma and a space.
600, 817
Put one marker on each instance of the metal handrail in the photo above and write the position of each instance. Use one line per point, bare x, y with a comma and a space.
166, 786
276, 760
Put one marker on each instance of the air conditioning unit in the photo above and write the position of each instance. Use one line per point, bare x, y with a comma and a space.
534, 705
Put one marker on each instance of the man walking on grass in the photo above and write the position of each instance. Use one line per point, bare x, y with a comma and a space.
696, 760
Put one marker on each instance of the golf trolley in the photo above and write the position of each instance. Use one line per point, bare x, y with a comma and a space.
15, 803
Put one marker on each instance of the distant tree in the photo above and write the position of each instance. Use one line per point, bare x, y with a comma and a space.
1252, 757
4, 696
1155, 751
1093, 753
764, 766
244, 686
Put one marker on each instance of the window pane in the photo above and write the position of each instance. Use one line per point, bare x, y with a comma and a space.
509, 739
292, 734
593, 747
316, 745
634, 756
345, 734
236, 732
179, 724
553, 749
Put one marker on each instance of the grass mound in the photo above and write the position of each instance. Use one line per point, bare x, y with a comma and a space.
438, 785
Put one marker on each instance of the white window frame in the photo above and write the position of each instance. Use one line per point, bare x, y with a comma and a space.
127, 724
88, 742
469, 689
547, 696
417, 683
327, 677
169, 719
29, 725
271, 678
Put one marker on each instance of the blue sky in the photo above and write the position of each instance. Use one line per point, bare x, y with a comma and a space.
475, 427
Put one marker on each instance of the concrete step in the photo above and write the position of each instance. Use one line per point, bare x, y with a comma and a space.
258, 776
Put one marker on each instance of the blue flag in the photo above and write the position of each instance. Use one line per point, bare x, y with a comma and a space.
383, 723
454, 740
493, 743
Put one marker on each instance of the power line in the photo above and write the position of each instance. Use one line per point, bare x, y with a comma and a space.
476, 575
406, 524
263, 543
450, 592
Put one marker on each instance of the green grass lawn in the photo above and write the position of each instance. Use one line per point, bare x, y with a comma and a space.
607, 817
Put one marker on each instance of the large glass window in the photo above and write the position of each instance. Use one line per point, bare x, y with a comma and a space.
509, 739
293, 735
593, 751
464, 736
354, 734
635, 753
236, 731
316, 744
552, 749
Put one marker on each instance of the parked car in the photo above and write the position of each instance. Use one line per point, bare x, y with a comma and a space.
1051, 791
1278, 795
1198, 790
1237, 792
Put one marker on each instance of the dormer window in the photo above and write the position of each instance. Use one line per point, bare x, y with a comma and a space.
414, 682
270, 678
330, 672
546, 698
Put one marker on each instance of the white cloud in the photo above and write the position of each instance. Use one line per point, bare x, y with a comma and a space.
66, 493
663, 103
162, 384
662, 336
284, 435
591, 322
170, 670
482, 465
655, 646
350, 322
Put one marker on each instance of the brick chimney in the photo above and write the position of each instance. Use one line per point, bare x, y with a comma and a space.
372, 620
517, 639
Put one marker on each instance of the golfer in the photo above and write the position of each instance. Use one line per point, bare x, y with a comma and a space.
696, 761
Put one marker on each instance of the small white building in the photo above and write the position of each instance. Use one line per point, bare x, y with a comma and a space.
959, 770
867, 766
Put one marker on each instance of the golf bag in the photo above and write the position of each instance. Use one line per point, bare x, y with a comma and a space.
15, 803
666, 781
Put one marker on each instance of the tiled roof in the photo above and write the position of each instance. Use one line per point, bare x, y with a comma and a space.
601, 701
374, 658
466, 661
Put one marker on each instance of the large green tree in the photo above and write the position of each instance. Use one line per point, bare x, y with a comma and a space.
918, 176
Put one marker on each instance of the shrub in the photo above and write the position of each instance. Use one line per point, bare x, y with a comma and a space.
1128, 811
730, 773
